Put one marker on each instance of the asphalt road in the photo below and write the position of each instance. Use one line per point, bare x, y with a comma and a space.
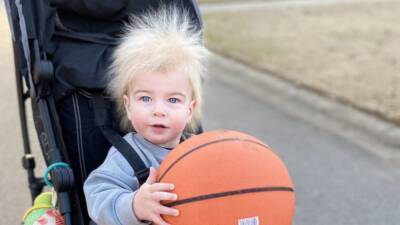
338, 179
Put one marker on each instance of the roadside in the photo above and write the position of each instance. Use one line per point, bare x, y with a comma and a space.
380, 138
335, 50
208, 6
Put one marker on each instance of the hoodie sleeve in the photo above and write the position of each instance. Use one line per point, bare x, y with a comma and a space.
109, 192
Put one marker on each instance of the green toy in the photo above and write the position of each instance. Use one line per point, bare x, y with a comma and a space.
41, 205
44, 199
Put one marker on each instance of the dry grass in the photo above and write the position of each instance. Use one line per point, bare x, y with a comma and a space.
346, 51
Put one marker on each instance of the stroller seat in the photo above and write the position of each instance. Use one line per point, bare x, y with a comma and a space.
62, 51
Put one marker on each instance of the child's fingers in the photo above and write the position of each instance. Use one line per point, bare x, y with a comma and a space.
159, 221
161, 187
168, 211
164, 196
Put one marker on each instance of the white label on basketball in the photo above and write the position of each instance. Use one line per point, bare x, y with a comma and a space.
249, 221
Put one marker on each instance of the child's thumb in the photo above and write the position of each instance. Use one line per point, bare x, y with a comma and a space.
152, 176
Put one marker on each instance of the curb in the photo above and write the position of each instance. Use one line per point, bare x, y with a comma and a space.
361, 128
242, 6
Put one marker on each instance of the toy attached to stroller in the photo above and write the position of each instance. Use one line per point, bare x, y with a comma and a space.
62, 51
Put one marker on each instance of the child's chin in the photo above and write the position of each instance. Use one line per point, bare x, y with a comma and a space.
167, 143
158, 139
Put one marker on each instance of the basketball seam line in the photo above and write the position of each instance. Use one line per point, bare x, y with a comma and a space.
228, 193
203, 145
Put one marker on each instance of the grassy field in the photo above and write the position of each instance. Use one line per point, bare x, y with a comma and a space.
350, 52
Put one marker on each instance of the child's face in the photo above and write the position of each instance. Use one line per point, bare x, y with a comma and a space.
159, 106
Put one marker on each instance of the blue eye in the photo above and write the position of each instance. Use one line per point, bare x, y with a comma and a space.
145, 98
173, 100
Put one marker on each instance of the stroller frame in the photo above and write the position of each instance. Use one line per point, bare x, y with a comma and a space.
39, 71
34, 75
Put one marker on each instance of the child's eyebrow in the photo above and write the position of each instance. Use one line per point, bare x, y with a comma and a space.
170, 94
177, 93
141, 91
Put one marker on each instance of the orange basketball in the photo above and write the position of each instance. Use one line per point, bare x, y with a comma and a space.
228, 178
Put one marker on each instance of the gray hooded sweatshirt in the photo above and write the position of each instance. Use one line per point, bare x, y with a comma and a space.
110, 189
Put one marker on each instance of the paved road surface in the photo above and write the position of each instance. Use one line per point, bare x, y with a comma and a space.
337, 180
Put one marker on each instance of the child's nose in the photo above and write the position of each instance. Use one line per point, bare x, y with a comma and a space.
159, 113
159, 110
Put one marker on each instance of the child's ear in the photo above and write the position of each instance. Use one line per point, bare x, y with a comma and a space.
192, 106
127, 106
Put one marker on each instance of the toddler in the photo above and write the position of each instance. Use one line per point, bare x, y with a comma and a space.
156, 81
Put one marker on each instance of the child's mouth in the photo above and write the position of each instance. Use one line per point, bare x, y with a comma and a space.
159, 126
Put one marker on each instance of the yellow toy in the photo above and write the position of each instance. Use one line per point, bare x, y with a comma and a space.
42, 212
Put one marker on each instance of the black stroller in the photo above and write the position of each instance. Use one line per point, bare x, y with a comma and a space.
62, 50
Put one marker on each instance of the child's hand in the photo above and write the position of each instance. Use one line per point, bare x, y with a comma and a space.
146, 203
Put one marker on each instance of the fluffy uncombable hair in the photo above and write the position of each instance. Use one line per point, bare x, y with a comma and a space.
159, 40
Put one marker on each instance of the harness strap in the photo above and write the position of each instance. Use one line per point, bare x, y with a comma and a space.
141, 171
129, 153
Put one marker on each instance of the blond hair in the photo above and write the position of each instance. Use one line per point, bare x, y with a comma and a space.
162, 40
